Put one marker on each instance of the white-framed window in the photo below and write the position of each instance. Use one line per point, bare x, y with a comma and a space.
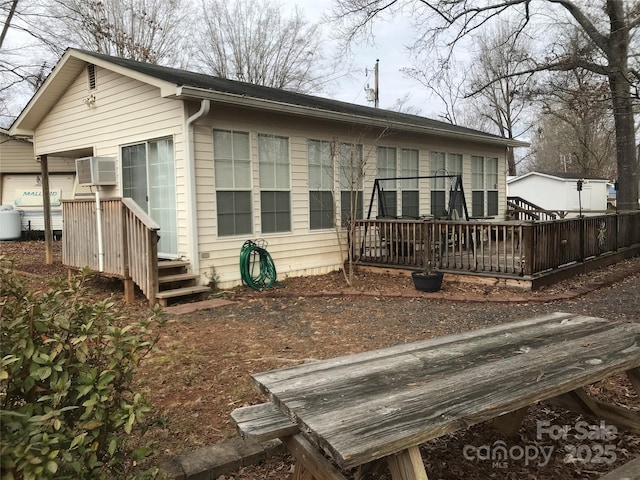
275, 183
410, 189
351, 177
443, 163
320, 167
477, 186
388, 168
491, 178
232, 175
484, 186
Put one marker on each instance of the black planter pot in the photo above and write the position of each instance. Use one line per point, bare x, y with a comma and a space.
427, 282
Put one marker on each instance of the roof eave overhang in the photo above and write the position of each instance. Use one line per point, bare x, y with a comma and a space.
185, 92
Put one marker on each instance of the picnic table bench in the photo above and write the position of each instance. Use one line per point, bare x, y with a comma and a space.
355, 410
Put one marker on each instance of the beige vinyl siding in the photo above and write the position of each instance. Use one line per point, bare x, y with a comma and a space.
126, 112
302, 251
17, 156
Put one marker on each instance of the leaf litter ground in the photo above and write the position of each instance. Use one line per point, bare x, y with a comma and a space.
200, 371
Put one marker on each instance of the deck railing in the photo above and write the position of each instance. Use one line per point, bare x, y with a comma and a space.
512, 248
130, 240
521, 209
451, 245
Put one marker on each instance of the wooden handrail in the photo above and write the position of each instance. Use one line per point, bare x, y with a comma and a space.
146, 220
530, 210
130, 242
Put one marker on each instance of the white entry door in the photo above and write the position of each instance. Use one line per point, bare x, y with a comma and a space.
148, 177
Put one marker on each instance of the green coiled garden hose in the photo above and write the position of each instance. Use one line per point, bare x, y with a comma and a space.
256, 266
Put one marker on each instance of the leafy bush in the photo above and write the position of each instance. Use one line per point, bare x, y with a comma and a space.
67, 409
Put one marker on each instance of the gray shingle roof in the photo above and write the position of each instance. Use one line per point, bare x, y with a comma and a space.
216, 84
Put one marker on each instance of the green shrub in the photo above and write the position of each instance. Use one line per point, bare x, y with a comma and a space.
67, 408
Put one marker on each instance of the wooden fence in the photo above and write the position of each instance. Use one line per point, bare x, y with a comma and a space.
130, 241
511, 248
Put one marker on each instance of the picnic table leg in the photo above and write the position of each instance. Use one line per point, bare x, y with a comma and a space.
407, 465
634, 377
310, 463
301, 473
510, 423
578, 401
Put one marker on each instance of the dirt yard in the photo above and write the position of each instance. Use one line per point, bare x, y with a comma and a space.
200, 370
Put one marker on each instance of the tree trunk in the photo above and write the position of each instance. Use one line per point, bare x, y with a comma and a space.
7, 22
511, 162
627, 195
618, 57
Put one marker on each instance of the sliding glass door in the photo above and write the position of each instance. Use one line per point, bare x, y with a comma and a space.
148, 177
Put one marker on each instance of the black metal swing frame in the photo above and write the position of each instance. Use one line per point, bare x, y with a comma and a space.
456, 193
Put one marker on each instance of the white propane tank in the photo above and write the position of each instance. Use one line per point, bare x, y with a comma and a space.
9, 223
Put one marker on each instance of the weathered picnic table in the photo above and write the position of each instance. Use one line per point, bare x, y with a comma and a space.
354, 410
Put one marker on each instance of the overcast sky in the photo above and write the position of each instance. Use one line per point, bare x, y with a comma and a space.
389, 46
390, 42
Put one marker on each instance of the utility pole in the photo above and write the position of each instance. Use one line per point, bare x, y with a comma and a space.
373, 94
376, 87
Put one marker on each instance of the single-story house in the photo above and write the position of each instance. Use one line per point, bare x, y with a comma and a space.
21, 182
558, 192
215, 162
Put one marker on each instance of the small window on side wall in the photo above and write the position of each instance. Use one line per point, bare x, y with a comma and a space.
91, 76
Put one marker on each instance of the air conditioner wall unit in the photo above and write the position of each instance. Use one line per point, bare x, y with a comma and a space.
96, 170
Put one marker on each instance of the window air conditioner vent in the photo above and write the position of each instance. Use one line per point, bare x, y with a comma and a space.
96, 171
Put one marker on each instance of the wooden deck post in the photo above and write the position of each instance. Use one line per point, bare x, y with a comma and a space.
129, 286
528, 231
152, 259
46, 206
582, 239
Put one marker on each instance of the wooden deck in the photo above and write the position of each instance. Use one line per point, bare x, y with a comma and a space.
523, 250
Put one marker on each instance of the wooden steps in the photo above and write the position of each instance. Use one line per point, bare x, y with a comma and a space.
175, 283
178, 277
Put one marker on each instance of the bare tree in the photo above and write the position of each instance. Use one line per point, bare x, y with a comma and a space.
35, 33
10, 8
144, 30
352, 163
22, 66
499, 93
23, 17
575, 130
254, 41
609, 26
403, 105
446, 79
